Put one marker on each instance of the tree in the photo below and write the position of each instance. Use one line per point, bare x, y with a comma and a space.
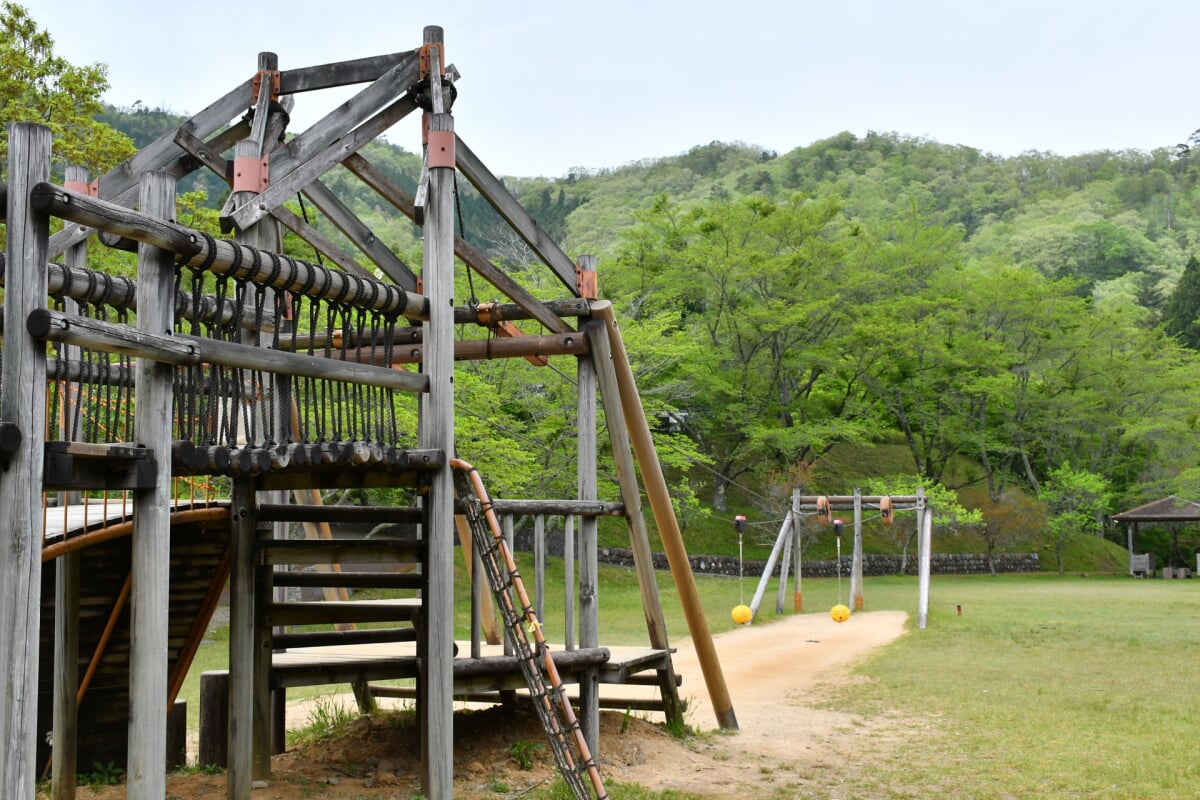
1076, 502
947, 512
1181, 318
758, 290
38, 86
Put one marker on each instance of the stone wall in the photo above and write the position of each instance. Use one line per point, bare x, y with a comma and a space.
939, 564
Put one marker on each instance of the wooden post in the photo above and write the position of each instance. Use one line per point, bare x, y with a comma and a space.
589, 607
214, 719
668, 526
785, 534
23, 404
64, 740
241, 640
539, 566
151, 538
639, 538
437, 433
856, 561
924, 547
798, 595
569, 580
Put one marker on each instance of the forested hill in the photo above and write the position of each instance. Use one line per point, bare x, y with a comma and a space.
1122, 222
1019, 315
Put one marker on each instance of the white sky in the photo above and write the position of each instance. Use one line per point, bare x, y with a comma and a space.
549, 85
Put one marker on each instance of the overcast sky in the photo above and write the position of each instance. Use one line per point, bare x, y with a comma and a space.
547, 86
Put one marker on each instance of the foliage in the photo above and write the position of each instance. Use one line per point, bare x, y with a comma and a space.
327, 718
1181, 317
1076, 502
38, 86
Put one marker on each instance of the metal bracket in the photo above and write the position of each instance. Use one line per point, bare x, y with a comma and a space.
80, 187
441, 149
273, 75
585, 283
423, 59
251, 173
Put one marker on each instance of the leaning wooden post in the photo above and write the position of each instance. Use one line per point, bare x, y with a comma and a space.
668, 526
639, 537
785, 534
66, 583
437, 433
586, 454
856, 561
151, 538
23, 405
924, 548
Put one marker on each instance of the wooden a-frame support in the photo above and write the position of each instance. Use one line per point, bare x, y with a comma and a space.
297, 166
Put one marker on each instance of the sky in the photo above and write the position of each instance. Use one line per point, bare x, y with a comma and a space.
554, 85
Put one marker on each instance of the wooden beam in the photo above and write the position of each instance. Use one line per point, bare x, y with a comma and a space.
668, 525
341, 73
151, 536
363, 237
515, 215
292, 275
587, 453
474, 259
348, 116
23, 404
291, 177
323, 245
436, 432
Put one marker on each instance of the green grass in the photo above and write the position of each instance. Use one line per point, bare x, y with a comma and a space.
1046, 686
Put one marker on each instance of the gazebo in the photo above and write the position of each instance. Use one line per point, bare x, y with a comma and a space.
1168, 509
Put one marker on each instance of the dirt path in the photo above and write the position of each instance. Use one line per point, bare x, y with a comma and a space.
776, 674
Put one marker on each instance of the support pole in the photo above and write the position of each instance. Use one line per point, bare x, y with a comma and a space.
785, 533
639, 537
244, 511
798, 597
151, 538
856, 560
668, 525
760, 591
23, 404
437, 433
924, 546
64, 741
589, 605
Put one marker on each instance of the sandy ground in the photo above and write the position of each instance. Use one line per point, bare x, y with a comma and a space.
778, 676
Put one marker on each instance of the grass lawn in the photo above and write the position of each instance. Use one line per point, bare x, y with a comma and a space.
1044, 687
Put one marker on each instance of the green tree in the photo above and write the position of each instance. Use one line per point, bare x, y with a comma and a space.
1181, 317
38, 86
1076, 502
948, 513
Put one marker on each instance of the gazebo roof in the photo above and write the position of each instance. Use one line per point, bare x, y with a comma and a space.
1168, 509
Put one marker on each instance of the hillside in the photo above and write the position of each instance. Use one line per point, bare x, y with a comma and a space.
855, 308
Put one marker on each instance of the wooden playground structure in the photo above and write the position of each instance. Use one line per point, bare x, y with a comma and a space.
228, 360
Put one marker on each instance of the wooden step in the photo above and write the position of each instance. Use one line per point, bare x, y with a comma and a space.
286, 641
350, 580
335, 612
340, 551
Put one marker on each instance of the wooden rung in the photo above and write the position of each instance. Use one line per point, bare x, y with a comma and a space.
353, 580
339, 551
284, 641
645, 679
334, 612
371, 515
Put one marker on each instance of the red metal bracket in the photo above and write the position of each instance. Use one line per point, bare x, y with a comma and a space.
251, 174
80, 187
272, 75
423, 59
441, 149
585, 283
